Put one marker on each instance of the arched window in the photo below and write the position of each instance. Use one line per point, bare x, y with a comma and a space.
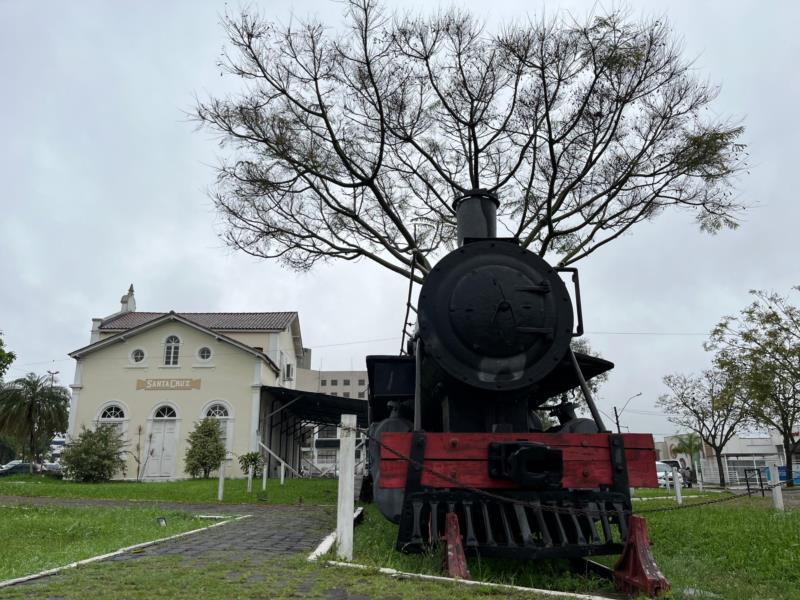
114, 415
171, 348
216, 411
165, 412
112, 412
220, 412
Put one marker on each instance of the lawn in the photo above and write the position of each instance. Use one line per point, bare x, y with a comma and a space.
200, 491
737, 549
227, 577
38, 538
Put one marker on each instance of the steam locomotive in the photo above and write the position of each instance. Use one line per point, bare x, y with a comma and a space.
455, 425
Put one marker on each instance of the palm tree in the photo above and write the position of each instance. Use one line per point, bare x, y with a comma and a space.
33, 410
689, 443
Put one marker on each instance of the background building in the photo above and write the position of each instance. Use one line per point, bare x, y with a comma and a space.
320, 446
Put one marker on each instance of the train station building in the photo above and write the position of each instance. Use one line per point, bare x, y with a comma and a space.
154, 375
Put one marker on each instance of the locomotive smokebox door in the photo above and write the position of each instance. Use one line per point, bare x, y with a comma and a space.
495, 317
531, 465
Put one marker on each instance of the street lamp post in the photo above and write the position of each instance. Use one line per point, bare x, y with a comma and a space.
617, 414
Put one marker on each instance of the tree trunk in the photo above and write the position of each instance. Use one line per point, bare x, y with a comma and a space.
33, 452
788, 446
719, 468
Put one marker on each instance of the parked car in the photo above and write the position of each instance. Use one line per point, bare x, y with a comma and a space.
52, 469
19, 469
10, 464
665, 474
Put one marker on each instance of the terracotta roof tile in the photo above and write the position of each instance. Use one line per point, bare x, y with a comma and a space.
270, 321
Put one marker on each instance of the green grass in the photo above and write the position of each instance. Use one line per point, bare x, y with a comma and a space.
37, 538
233, 577
374, 545
739, 549
200, 491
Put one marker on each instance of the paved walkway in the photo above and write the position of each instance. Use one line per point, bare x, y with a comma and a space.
270, 530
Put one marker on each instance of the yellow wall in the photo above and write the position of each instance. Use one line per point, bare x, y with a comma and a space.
109, 375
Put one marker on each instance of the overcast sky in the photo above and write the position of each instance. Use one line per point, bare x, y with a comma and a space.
104, 183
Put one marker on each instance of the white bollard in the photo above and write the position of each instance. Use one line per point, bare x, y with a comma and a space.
250, 479
221, 484
666, 480
346, 498
677, 482
264, 478
283, 472
777, 492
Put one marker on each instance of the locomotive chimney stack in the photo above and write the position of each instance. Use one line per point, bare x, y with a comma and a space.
476, 215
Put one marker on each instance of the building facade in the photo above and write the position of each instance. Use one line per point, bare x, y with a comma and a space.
155, 375
743, 453
320, 447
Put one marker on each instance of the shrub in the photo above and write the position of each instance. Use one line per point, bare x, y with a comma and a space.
254, 459
95, 456
206, 449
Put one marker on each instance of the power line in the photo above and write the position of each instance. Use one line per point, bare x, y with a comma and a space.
673, 333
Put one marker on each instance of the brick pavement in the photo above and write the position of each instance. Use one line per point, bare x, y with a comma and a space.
268, 531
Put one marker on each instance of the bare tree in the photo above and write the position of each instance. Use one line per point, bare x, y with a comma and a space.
762, 345
709, 405
354, 145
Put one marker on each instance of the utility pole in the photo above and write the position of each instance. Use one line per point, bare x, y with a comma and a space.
52, 377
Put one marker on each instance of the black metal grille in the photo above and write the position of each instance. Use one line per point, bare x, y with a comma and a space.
538, 525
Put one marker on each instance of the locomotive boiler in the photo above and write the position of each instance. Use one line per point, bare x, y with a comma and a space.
455, 428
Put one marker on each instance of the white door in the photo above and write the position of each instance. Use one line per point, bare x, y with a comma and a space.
163, 445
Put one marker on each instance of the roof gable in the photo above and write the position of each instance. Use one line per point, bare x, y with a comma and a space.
160, 320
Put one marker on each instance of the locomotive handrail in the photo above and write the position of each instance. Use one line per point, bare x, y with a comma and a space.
577, 285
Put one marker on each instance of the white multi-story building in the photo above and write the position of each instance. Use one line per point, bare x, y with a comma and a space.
320, 449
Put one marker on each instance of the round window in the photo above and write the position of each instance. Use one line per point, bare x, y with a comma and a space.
137, 355
204, 353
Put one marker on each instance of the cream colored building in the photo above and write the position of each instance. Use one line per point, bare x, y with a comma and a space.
155, 375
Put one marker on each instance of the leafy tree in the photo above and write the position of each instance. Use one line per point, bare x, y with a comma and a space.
206, 449
762, 345
33, 410
709, 405
97, 455
354, 146
6, 358
253, 459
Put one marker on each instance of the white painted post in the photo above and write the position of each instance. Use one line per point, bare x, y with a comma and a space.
283, 472
221, 484
346, 499
677, 482
777, 492
666, 480
264, 477
250, 479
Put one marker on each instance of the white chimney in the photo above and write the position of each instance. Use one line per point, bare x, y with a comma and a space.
95, 335
128, 302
